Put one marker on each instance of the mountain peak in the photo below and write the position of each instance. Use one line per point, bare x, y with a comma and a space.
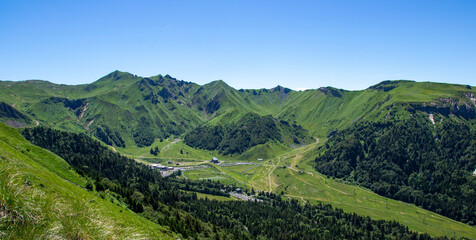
221, 82
280, 88
388, 85
117, 75
218, 83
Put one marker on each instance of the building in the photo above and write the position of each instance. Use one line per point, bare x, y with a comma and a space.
155, 166
214, 160
260, 159
160, 167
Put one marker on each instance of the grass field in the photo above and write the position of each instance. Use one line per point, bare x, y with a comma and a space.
213, 197
292, 175
215, 173
176, 150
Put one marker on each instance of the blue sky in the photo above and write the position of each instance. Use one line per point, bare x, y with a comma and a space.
248, 44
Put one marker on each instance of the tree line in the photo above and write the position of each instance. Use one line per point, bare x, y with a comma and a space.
249, 131
173, 202
410, 160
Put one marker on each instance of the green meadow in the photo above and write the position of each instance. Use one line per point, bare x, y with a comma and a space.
292, 175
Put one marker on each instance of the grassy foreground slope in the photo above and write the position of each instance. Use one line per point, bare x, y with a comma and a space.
42, 198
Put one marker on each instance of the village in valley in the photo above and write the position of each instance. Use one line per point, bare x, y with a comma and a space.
180, 168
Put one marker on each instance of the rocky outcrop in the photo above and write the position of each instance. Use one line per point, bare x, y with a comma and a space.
13, 117
330, 91
448, 106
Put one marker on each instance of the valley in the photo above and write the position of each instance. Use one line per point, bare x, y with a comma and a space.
292, 175
238, 120
314, 147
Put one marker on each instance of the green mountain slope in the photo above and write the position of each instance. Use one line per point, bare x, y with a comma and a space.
326, 109
415, 160
13, 117
161, 200
125, 110
42, 198
293, 175
116, 107
251, 130
133, 114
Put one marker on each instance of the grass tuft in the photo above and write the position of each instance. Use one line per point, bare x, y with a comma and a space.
36, 202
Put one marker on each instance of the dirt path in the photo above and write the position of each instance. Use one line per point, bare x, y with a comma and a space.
271, 166
170, 144
113, 148
295, 162
271, 170
312, 184
269, 180
251, 168
299, 156
87, 125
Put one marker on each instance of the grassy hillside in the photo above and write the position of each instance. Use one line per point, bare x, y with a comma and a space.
250, 131
326, 109
155, 198
13, 117
44, 199
168, 106
133, 114
414, 160
292, 174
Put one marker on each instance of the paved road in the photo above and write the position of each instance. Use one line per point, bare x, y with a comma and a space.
229, 164
169, 172
244, 197
183, 169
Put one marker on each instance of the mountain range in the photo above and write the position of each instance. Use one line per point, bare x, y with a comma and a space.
405, 140
116, 107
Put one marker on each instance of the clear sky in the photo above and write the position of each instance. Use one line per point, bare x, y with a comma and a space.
248, 44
